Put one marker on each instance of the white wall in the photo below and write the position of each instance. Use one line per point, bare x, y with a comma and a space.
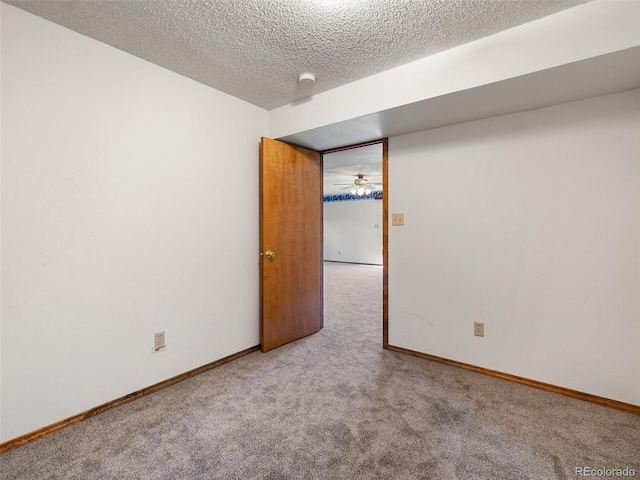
530, 223
120, 218
353, 231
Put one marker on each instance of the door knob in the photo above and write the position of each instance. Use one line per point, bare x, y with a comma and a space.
270, 254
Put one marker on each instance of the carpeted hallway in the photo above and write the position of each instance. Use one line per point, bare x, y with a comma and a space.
336, 406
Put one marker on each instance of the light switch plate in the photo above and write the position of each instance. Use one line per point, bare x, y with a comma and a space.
397, 219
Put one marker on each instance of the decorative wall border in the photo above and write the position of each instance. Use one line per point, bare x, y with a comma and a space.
346, 197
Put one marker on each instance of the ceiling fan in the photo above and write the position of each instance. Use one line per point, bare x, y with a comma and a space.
360, 186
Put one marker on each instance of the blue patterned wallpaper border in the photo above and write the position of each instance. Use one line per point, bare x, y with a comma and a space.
346, 197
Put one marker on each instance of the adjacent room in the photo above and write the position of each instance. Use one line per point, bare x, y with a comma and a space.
352, 215
352, 235
479, 254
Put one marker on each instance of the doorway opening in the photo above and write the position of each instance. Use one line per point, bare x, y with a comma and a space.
355, 235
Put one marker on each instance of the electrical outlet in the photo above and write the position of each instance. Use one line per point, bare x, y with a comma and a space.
158, 340
478, 329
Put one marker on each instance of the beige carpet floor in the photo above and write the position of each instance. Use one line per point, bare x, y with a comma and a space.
335, 405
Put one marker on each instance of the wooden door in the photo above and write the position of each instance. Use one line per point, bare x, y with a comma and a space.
290, 243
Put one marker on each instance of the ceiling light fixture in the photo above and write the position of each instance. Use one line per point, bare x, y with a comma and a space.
361, 186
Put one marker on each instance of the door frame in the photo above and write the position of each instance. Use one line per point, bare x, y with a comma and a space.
385, 226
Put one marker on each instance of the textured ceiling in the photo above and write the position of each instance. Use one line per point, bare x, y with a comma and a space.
255, 49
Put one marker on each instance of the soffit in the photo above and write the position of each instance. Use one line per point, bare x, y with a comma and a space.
602, 75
